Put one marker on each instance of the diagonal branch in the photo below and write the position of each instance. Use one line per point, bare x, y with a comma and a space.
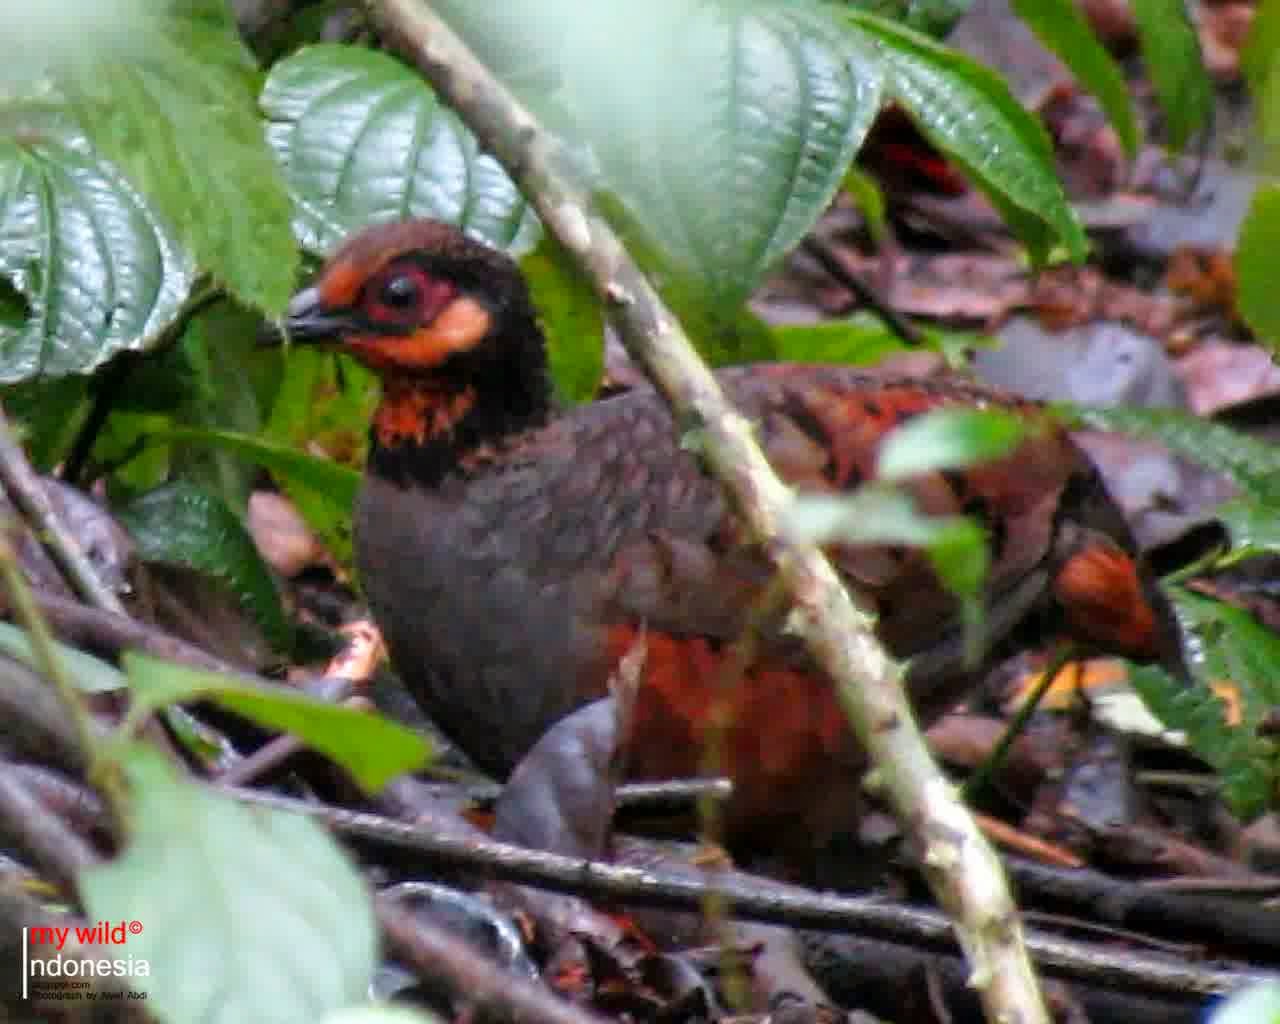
962, 869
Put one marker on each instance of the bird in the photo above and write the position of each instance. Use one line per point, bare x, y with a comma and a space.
513, 552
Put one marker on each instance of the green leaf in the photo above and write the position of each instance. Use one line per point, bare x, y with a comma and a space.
1253, 465
884, 515
571, 319
47, 413
63, 35
205, 379
1062, 27
1200, 714
363, 139
181, 119
93, 675
871, 515
323, 490
863, 340
948, 439
182, 525
933, 17
324, 402
372, 748
219, 347
1171, 52
859, 341
338, 482
868, 197
1258, 1003
881, 514
1262, 46
124, 444
244, 914
98, 272
1255, 272
1259, 64
959, 554
1252, 526
968, 112
734, 142
1234, 647
723, 335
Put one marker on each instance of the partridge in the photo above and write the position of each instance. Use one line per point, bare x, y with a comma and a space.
512, 552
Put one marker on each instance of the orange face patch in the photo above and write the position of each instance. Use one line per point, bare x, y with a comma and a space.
460, 326
412, 412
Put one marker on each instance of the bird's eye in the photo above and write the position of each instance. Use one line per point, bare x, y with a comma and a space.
404, 291
404, 296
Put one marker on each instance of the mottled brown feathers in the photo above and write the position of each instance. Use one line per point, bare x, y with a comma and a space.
511, 555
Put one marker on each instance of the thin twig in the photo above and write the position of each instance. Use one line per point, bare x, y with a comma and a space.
51, 665
748, 897
994, 761
831, 262
111, 634
57, 852
961, 867
27, 493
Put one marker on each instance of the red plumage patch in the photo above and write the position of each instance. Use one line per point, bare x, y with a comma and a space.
1102, 595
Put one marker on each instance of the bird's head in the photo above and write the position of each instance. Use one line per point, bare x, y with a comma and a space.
421, 298
447, 323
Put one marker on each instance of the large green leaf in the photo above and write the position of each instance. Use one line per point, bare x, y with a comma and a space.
180, 524
1257, 246
98, 272
363, 139
372, 748
968, 111
180, 117
1062, 27
571, 319
1260, 61
735, 141
240, 914
338, 482
1171, 52
740, 118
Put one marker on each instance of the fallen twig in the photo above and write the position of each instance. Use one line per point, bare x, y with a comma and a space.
57, 851
111, 633
748, 897
27, 493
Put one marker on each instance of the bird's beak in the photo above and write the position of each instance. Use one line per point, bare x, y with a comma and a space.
306, 321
